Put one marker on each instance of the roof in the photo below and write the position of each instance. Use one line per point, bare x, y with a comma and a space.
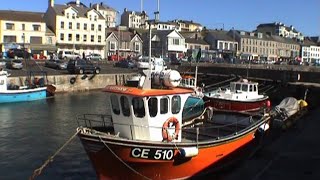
125, 35
143, 13
82, 10
308, 42
103, 6
133, 91
220, 35
49, 31
187, 22
196, 41
21, 16
278, 24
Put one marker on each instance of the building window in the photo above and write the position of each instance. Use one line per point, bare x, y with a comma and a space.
137, 46
68, 15
220, 45
112, 46
176, 41
95, 18
70, 25
92, 27
99, 27
69, 37
9, 26
84, 38
49, 40
23, 27
73, 16
62, 25
226, 45
99, 39
35, 40
62, 37
9, 39
92, 38
85, 26
77, 37
36, 27
78, 25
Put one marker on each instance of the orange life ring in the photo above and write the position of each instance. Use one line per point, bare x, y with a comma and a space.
165, 132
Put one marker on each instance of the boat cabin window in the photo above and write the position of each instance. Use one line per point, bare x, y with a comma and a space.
153, 107
175, 104
138, 107
244, 87
255, 88
164, 103
125, 106
251, 88
238, 87
115, 104
192, 82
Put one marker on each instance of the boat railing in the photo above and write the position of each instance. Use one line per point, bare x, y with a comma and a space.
94, 120
216, 130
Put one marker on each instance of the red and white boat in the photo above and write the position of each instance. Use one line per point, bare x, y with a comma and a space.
147, 135
239, 96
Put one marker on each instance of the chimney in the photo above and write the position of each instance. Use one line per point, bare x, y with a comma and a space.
97, 7
78, 3
90, 5
125, 10
51, 3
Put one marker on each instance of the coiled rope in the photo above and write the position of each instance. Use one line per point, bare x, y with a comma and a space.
38, 171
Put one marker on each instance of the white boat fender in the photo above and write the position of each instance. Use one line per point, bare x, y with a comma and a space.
189, 151
264, 127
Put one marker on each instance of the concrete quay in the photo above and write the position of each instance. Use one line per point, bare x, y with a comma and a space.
301, 75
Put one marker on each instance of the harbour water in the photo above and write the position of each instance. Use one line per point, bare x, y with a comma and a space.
30, 132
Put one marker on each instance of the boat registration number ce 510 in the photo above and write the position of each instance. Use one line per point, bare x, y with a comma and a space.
155, 154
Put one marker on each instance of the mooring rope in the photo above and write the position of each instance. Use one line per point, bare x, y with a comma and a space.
124, 163
38, 171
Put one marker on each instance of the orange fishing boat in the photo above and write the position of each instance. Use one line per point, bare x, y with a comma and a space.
151, 134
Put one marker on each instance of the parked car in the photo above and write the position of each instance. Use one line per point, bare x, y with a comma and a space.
18, 53
14, 64
56, 63
82, 66
94, 57
115, 58
68, 55
125, 64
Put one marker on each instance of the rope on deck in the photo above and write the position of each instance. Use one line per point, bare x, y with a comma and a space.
38, 171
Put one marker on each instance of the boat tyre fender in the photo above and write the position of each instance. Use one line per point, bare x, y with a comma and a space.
72, 80
165, 133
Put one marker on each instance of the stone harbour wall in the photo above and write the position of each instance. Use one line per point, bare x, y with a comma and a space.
72, 83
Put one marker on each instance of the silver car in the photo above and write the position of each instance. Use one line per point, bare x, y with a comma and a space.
57, 64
